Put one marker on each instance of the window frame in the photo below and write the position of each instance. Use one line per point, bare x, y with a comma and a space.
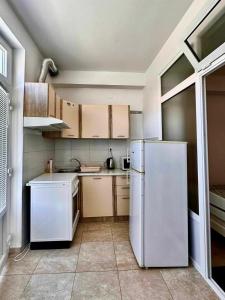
6, 81
183, 84
215, 54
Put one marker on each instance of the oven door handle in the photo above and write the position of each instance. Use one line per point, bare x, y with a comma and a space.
75, 192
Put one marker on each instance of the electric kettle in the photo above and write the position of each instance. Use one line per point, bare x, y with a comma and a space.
110, 164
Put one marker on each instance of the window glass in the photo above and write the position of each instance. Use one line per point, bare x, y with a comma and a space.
177, 73
209, 34
3, 61
179, 124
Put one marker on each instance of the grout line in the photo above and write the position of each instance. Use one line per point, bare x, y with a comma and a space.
166, 284
28, 281
117, 271
78, 255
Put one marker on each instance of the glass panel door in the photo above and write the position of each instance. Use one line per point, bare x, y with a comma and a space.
215, 112
179, 124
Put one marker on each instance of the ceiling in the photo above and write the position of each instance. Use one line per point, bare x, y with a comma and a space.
94, 35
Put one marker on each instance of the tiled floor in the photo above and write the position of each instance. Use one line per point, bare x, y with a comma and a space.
99, 265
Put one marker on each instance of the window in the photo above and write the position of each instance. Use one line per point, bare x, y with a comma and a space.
179, 124
209, 34
177, 73
3, 61
4, 104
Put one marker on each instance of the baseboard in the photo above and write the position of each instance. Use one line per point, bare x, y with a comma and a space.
105, 219
195, 264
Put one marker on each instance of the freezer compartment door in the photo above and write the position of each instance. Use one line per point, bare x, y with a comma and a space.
166, 213
137, 155
136, 214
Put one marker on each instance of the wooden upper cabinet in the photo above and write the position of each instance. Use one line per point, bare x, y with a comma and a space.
95, 121
39, 100
51, 101
120, 127
70, 115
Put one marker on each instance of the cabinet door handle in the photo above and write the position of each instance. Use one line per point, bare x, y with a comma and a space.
125, 188
95, 136
125, 198
121, 136
97, 178
68, 103
70, 134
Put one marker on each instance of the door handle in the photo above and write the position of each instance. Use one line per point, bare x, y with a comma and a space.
97, 178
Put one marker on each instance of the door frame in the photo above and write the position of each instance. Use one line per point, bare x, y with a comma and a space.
204, 175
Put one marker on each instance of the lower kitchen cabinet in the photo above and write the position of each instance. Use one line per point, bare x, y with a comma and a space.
97, 196
122, 191
122, 205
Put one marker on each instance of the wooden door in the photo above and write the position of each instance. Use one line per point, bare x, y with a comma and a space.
120, 126
97, 196
70, 115
95, 121
51, 101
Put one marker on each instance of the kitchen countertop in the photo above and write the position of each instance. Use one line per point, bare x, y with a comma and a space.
68, 177
105, 172
53, 177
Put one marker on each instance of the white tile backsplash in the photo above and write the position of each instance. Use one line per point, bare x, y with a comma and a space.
88, 151
37, 152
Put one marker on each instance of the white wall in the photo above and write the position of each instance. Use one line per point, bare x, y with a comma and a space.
99, 78
173, 46
152, 101
36, 149
32, 53
104, 95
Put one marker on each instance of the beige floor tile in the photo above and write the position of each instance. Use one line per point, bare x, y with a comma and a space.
205, 289
98, 226
49, 286
75, 244
30, 254
103, 235
25, 266
96, 256
187, 283
12, 287
120, 235
125, 258
96, 285
58, 261
80, 229
120, 225
143, 284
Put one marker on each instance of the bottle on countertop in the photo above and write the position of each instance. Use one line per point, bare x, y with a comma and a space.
49, 168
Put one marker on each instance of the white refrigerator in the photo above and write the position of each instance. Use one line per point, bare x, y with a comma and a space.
158, 203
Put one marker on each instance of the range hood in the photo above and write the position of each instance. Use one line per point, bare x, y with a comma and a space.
44, 123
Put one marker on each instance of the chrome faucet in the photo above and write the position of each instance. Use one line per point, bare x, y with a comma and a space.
76, 160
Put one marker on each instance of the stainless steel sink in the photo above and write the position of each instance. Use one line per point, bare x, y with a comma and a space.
68, 170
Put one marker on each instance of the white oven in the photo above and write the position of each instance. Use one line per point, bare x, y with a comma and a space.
75, 205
